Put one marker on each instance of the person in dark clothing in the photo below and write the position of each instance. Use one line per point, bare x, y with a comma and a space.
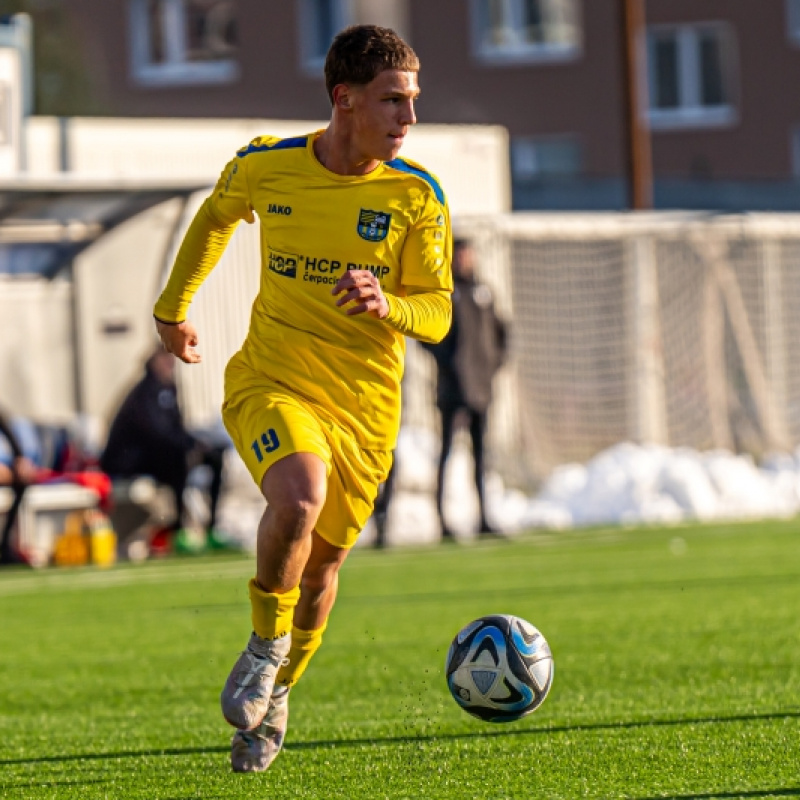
467, 360
17, 475
148, 437
380, 510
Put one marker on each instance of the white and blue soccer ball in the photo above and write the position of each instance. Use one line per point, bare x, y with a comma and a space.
499, 668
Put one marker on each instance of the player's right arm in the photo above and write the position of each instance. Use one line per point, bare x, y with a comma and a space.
202, 247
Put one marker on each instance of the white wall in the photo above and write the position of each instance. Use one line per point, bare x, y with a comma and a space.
36, 352
116, 281
471, 161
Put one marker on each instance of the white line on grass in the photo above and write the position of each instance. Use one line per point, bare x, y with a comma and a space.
67, 580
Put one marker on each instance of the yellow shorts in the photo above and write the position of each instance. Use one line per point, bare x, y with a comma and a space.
266, 423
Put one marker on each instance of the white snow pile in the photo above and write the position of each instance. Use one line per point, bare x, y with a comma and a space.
627, 484
638, 484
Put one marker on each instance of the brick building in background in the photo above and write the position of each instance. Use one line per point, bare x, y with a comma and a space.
723, 106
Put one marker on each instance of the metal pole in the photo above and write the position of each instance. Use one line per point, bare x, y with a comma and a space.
638, 157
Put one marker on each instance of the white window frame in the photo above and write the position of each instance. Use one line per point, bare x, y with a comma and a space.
793, 21
516, 50
311, 61
176, 70
690, 112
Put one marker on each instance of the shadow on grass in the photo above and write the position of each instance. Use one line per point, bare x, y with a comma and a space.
788, 792
156, 751
502, 732
388, 740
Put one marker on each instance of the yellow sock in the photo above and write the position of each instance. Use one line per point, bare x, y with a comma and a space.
272, 613
304, 645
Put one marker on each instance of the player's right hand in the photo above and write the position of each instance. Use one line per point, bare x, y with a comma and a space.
180, 339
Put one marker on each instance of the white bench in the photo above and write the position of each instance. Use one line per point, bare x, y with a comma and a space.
42, 513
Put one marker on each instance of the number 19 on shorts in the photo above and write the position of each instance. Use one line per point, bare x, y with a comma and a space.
268, 443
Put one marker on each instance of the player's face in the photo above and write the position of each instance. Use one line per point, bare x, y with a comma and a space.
163, 367
383, 111
464, 263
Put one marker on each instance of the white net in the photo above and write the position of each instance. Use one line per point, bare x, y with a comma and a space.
670, 328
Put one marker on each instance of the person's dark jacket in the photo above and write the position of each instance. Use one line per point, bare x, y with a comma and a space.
148, 427
473, 350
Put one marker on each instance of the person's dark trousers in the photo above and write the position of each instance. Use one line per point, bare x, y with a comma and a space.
381, 508
214, 458
7, 552
476, 422
175, 472
169, 468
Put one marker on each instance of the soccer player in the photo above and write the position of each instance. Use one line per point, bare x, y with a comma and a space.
355, 251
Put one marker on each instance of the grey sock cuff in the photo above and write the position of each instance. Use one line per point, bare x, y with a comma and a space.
273, 649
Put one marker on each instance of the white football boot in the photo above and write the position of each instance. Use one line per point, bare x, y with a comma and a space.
254, 751
245, 698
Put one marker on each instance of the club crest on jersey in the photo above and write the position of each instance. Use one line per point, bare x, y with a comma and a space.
373, 225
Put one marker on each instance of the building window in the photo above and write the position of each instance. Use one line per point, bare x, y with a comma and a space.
179, 42
514, 31
691, 71
793, 20
544, 159
320, 21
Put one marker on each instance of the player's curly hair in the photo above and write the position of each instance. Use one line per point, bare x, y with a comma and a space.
360, 53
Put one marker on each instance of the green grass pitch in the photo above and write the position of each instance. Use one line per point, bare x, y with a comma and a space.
677, 675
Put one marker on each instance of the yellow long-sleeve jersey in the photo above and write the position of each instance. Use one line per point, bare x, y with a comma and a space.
315, 225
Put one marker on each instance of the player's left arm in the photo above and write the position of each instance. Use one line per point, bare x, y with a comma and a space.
425, 312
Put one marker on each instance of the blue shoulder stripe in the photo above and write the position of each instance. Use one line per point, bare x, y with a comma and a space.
283, 144
404, 166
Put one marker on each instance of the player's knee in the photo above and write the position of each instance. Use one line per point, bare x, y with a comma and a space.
295, 487
298, 510
298, 516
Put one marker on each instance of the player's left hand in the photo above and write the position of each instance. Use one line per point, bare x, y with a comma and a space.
362, 288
